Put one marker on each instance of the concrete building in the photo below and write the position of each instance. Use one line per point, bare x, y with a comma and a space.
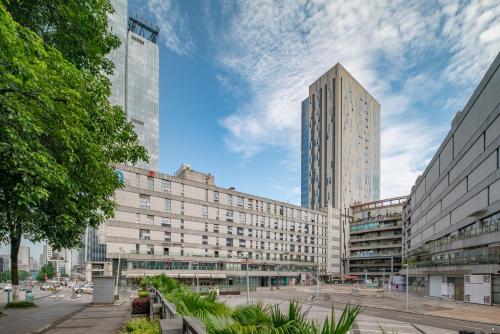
135, 81
340, 145
374, 250
187, 227
452, 217
305, 156
4, 263
23, 258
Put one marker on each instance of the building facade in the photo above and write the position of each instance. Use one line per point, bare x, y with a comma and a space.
135, 81
186, 227
374, 250
305, 156
341, 149
4, 263
452, 217
23, 258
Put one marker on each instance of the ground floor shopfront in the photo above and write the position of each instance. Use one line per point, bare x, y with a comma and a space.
484, 288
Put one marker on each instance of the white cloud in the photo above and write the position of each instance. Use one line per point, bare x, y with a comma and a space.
280, 47
174, 32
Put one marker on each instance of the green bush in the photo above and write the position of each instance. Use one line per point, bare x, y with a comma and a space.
20, 304
143, 293
142, 326
254, 318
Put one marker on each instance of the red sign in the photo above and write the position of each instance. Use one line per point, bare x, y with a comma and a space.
58, 274
151, 173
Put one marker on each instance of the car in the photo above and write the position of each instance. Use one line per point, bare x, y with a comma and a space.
8, 287
46, 286
84, 288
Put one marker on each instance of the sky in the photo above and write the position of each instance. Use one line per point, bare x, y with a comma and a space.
233, 74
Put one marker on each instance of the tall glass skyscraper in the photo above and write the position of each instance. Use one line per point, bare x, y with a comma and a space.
135, 81
305, 157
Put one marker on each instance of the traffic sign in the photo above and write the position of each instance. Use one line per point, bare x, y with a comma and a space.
58, 274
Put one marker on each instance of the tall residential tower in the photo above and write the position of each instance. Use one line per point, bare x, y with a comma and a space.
340, 146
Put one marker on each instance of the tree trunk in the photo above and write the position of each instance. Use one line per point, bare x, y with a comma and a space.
15, 242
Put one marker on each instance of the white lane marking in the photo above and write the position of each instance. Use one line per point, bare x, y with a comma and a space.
371, 323
375, 331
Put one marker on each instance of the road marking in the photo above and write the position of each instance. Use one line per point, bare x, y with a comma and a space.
383, 324
375, 331
418, 329
408, 317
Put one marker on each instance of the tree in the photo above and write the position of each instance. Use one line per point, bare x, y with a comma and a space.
59, 141
47, 270
78, 29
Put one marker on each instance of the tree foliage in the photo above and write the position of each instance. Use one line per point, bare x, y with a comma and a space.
47, 270
59, 140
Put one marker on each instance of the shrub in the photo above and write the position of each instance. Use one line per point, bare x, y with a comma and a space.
140, 305
141, 326
20, 304
143, 293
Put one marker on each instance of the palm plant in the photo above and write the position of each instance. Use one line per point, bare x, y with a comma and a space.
345, 322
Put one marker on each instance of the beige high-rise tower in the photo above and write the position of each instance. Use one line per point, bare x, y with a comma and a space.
341, 145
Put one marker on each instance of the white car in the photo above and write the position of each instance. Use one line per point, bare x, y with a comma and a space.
85, 288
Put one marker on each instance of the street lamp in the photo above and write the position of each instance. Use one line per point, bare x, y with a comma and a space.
248, 283
118, 271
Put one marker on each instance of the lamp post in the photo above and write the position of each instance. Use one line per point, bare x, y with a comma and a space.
407, 286
118, 271
248, 283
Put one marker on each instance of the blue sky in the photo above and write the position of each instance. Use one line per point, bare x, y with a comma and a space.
233, 73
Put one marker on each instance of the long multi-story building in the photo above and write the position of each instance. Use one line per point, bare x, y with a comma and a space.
374, 250
135, 80
452, 217
4, 263
185, 226
340, 146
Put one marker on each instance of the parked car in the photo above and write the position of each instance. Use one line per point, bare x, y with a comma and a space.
84, 288
46, 286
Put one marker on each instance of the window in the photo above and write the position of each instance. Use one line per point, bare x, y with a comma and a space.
167, 186
137, 249
144, 234
229, 200
229, 215
206, 195
242, 217
240, 231
150, 220
182, 208
137, 180
250, 234
229, 242
137, 218
165, 222
168, 236
151, 183
205, 240
242, 243
151, 249
268, 207
216, 196
166, 251
204, 211
250, 204
144, 201
168, 205
216, 228
182, 223
229, 230
240, 202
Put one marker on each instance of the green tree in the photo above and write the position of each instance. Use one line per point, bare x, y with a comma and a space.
47, 270
59, 142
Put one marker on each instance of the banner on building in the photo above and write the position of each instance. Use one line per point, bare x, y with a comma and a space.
477, 289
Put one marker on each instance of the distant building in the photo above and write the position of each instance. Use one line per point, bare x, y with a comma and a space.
23, 258
452, 217
4, 263
305, 156
374, 250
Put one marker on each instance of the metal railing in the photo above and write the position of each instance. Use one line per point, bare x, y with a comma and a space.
464, 235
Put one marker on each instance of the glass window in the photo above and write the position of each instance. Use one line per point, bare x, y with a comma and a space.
242, 217
144, 201
204, 211
165, 222
216, 196
144, 234
151, 183
230, 200
240, 202
168, 236
168, 205
167, 186
229, 215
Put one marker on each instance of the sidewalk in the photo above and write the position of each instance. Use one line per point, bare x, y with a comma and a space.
94, 319
417, 304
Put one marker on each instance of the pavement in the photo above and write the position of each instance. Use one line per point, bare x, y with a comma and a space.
387, 314
94, 319
51, 307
